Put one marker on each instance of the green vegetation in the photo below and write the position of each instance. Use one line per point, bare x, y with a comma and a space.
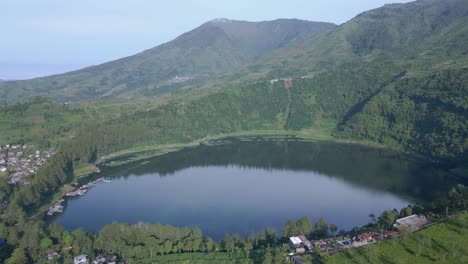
396, 76
445, 242
426, 114
38, 121
193, 59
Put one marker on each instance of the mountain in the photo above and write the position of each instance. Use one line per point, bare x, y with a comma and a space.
213, 48
418, 36
396, 75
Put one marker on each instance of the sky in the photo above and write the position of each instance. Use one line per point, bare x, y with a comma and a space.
52, 36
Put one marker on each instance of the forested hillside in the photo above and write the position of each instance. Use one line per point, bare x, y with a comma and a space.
428, 114
192, 59
419, 36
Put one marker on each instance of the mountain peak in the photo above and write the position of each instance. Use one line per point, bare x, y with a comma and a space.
194, 58
220, 20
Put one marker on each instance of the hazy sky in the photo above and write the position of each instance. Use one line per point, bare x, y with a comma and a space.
49, 35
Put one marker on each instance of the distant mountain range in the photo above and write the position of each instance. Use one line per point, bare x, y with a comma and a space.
204, 53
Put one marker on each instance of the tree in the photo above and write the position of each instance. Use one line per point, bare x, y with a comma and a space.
31, 238
372, 217
196, 244
407, 211
321, 228
208, 244
18, 257
271, 235
175, 248
152, 244
55, 231
197, 233
418, 209
247, 246
304, 225
67, 238
387, 218
3, 231
45, 243
167, 246
278, 256
290, 229
227, 243
333, 228
267, 257
458, 196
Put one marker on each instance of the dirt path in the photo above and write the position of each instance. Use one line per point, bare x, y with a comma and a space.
288, 109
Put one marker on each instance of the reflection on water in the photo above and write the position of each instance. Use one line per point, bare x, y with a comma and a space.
242, 187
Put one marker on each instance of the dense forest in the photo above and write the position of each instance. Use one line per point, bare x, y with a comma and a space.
426, 114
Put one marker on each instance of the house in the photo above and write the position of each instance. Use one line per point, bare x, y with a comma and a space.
320, 243
81, 259
367, 237
295, 242
105, 260
413, 221
300, 250
99, 260
300, 242
52, 254
297, 260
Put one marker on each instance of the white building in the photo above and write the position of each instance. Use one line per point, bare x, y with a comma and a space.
81, 259
300, 243
413, 221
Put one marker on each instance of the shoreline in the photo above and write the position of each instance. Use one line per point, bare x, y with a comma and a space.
301, 135
160, 150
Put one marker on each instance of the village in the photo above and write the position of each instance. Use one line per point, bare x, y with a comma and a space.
85, 259
18, 162
301, 245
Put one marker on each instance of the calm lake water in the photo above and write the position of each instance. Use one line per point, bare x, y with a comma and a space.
245, 186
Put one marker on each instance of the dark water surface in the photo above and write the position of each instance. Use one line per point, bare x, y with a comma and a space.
245, 186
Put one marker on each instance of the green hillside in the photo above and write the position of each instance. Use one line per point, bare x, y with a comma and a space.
441, 243
395, 75
408, 93
193, 58
424, 35
428, 114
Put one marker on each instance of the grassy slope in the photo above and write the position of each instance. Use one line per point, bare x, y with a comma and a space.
445, 242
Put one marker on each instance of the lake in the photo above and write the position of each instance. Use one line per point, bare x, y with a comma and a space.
245, 185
